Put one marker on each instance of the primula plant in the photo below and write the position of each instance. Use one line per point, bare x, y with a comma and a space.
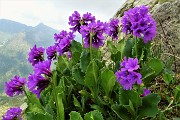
82, 84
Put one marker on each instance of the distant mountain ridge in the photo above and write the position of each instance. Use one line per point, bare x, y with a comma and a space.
9, 26
40, 34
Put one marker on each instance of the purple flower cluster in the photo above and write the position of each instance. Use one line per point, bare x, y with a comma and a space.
138, 22
36, 55
13, 114
63, 40
113, 28
76, 21
39, 80
128, 76
15, 86
96, 29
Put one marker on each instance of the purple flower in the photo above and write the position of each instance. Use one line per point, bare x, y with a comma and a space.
36, 55
37, 83
113, 28
64, 45
40, 79
138, 32
13, 114
148, 34
138, 22
76, 21
121, 75
64, 42
60, 36
96, 29
127, 76
127, 83
51, 52
126, 26
132, 64
15, 86
146, 92
43, 68
135, 76
122, 78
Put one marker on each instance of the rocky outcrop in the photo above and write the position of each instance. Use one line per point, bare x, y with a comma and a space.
167, 16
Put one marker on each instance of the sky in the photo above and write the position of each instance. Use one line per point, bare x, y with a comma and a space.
55, 13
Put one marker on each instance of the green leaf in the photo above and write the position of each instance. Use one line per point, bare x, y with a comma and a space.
60, 106
128, 95
162, 116
50, 110
76, 49
78, 75
116, 57
156, 64
147, 72
167, 78
130, 108
177, 93
149, 106
111, 47
128, 48
91, 76
76, 102
34, 108
35, 100
96, 53
108, 80
93, 115
75, 57
151, 69
120, 46
97, 107
75, 116
38, 116
84, 60
76, 46
62, 63
46, 96
121, 112
100, 63
146, 50
85, 93
141, 49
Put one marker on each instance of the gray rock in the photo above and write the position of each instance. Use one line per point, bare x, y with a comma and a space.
167, 16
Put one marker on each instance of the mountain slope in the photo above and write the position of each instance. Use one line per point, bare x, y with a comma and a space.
16, 39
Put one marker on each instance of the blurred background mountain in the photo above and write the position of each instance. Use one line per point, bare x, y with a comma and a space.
16, 39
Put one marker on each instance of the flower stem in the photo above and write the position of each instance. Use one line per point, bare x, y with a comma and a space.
55, 94
82, 42
91, 35
136, 47
26, 94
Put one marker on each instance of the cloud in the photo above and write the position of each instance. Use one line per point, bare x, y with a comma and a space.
55, 13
